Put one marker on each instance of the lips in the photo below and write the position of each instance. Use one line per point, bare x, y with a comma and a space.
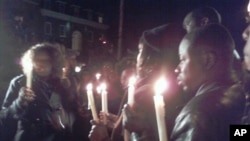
179, 81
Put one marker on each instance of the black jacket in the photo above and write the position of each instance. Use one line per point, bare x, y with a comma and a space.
209, 114
47, 118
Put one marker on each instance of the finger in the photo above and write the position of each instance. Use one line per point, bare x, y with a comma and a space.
94, 122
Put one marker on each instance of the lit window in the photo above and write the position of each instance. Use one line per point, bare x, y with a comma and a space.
100, 19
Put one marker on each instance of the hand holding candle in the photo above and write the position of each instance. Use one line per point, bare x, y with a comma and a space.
160, 87
91, 101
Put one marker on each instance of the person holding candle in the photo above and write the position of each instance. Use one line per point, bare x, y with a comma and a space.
217, 100
114, 120
44, 110
158, 55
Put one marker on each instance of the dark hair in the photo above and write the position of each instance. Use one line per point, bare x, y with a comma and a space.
215, 38
211, 13
51, 51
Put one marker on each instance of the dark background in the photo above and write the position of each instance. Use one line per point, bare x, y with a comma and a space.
140, 15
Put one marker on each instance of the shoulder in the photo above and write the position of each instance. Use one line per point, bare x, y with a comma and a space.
20, 79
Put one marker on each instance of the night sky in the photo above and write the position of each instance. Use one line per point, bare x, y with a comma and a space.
140, 15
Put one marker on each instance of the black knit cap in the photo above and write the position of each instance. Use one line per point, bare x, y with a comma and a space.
162, 37
164, 40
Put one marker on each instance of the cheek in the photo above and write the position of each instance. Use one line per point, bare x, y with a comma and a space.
247, 63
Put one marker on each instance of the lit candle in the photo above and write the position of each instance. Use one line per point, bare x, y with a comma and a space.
98, 76
104, 102
131, 99
131, 90
91, 101
160, 87
27, 69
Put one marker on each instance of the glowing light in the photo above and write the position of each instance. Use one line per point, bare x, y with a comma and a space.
98, 76
89, 87
103, 87
78, 69
160, 86
27, 68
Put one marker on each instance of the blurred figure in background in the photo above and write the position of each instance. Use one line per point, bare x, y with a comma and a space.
158, 55
200, 17
46, 110
204, 16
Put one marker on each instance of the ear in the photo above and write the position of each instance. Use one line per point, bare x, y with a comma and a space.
204, 21
208, 60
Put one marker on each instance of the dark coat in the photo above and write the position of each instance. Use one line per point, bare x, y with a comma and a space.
209, 114
42, 119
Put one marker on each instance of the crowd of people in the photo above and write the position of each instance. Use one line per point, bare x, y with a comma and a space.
208, 88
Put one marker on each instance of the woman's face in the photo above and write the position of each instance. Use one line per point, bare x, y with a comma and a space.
42, 64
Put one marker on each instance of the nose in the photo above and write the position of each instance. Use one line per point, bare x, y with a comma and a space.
245, 33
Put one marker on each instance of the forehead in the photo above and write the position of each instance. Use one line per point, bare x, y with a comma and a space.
41, 56
188, 18
247, 46
184, 46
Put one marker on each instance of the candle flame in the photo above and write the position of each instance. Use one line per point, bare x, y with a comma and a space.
132, 81
160, 86
103, 87
89, 86
27, 63
98, 75
78, 69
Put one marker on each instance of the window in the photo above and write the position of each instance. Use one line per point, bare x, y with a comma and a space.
62, 31
100, 19
47, 28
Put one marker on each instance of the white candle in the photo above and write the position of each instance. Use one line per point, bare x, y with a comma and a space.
131, 90
91, 101
131, 99
104, 101
160, 87
29, 78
